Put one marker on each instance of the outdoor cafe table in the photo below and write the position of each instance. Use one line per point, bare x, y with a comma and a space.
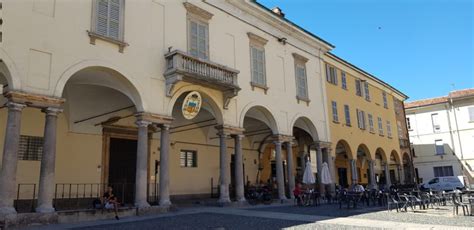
310, 197
353, 197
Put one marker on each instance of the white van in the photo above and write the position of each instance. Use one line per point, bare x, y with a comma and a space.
444, 183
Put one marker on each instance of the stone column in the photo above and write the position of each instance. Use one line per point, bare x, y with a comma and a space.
354, 171
224, 172
319, 162
289, 161
164, 166
373, 183
279, 170
332, 170
46, 184
239, 169
10, 158
142, 165
387, 175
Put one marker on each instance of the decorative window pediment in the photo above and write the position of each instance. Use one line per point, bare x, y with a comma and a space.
197, 12
256, 40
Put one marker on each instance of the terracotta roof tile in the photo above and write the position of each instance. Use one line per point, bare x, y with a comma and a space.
437, 100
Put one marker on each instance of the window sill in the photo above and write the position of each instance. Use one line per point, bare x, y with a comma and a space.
381, 135
372, 132
94, 36
336, 122
305, 99
256, 85
349, 125
389, 137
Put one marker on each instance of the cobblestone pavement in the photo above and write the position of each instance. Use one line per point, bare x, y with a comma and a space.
439, 216
284, 217
201, 221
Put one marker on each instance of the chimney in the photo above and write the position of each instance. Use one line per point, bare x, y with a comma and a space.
276, 10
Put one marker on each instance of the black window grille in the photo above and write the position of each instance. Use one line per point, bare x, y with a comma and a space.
31, 148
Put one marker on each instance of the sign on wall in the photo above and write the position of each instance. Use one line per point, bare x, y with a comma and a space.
192, 105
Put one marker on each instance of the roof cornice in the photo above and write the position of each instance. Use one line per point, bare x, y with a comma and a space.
289, 28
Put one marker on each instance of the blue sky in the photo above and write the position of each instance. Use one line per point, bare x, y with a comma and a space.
421, 47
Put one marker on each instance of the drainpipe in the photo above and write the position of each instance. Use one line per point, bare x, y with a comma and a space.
457, 127
450, 127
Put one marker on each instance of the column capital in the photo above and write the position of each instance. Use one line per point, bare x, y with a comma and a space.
164, 126
323, 144
15, 106
282, 138
52, 111
34, 100
154, 118
229, 130
238, 136
143, 123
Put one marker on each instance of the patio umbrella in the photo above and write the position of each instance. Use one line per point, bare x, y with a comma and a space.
308, 176
325, 174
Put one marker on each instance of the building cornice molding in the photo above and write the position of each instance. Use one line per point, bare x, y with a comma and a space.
276, 22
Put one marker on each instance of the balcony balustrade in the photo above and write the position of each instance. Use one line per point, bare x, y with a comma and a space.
181, 66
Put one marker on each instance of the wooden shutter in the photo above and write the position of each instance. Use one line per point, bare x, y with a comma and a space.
102, 17
114, 19
202, 41
328, 73
193, 36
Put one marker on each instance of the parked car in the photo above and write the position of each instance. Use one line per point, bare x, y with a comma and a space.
444, 183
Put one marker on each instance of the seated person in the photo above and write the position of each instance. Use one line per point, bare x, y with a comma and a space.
298, 193
109, 200
358, 188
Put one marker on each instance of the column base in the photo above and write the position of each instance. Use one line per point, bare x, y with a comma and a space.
224, 201
241, 203
45, 209
286, 201
143, 204
7, 210
165, 203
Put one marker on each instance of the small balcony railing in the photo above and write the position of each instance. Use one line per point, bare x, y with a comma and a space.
404, 143
181, 66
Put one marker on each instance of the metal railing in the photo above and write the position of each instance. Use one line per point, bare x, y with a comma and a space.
181, 62
26, 196
76, 196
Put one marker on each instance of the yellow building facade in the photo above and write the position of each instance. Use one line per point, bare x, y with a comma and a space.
364, 127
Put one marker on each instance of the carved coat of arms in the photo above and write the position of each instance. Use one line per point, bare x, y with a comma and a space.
192, 105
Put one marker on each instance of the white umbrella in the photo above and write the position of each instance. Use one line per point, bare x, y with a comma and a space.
325, 174
308, 176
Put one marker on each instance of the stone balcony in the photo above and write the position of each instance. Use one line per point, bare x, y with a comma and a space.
404, 143
181, 66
